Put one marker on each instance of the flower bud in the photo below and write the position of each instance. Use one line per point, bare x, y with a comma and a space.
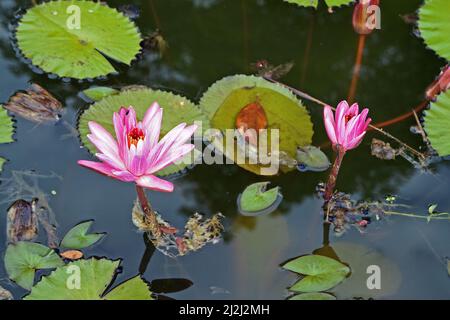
363, 22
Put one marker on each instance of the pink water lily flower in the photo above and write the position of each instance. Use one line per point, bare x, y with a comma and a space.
136, 154
347, 127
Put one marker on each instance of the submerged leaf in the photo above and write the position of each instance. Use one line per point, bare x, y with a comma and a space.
320, 273
434, 26
177, 109
313, 296
383, 150
78, 238
437, 122
24, 258
35, 104
256, 198
51, 36
98, 93
90, 279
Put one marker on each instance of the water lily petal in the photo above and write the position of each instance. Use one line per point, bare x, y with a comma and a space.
99, 167
171, 157
330, 126
154, 183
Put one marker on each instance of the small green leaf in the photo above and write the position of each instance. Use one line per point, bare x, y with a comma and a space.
313, 296
320, 273
434, 26
78, 238
77, 50
94, 276
437, 122
2, 162
315, 3
256, 198
431, 208
22, 259
98, 93
134, 287
312, 158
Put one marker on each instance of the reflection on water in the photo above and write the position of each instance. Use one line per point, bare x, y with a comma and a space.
207, 41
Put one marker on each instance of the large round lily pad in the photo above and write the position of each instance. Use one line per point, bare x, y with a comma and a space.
437, 124
434, 26
6, 130
55, 40
88, 280
225, 99
177, 109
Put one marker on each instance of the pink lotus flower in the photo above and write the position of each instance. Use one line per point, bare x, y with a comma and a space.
136, 154
348, 127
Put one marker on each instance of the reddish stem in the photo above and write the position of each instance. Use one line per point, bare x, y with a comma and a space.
357, 68
149, 214
332, 178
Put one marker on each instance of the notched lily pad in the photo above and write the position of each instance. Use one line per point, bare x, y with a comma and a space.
176, 109
88, 280
73, 38
257, 200
315, 3
226, 100
437, 122
313, 296
79, 238
22, 259
320, 273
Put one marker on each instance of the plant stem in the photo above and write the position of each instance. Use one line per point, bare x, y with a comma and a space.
357, 68
332, 178
311, 98
412, 215
149, 214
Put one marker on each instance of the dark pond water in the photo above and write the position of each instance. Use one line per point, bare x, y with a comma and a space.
210, 39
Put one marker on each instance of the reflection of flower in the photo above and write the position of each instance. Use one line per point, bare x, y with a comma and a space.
137, 154
348, 127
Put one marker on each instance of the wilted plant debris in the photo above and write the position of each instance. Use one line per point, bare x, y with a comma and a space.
264, 69
5, 294
197, 232
22, 224
155, 42
25, 185
35, 104
383, 150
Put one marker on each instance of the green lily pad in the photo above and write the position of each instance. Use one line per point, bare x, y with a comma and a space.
315, 3
6, 126
256, 198
95, 276
313, 296
434, 26
226, 98
48, 35
2, 162
320, 273
437, 124
22, 259
177, 109
78, 238
98, 93
312, 159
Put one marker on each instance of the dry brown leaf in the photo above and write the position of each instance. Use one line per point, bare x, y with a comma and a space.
72, 254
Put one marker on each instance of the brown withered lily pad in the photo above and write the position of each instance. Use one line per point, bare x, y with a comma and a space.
72, 254
383, 150
252, 116
22, 222
35, 104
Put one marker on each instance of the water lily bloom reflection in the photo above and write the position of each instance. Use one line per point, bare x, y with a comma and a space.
347, 127
136, 154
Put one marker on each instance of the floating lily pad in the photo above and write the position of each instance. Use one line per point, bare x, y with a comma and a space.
177, 109
437, 124
2, 162
320, 273
49, 36
95, 276
225, 99
311, 158
98, 93
313, 296
434, 26
315, 3
78, 237
256, 199
24, 258
6, 126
